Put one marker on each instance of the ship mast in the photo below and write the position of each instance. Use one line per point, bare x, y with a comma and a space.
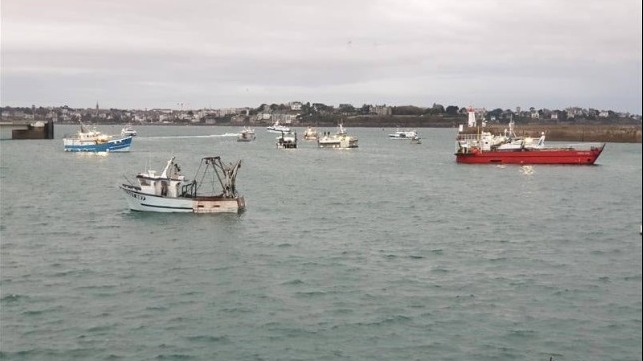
473, 123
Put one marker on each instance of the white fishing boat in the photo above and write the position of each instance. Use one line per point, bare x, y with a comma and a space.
91, 140
403, 134
246, 135
277, 128
128, 130
170, 191
287, 140
311, 134
341, 139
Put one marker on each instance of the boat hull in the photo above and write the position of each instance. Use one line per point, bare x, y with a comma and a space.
114, 145
246, 138
341, 142
532, 156
143, 202
401, 136
337, 145
287, 145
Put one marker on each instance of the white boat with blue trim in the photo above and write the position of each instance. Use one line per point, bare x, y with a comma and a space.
91, 140
170, 191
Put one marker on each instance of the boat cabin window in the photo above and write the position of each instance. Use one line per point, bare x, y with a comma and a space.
144, 182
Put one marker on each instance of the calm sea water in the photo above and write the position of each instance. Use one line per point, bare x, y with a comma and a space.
387, 252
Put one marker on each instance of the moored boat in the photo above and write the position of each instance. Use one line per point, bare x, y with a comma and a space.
340, 140
507, 148
403, 134
128, 130
310, 134
246, 135
91, 140
287, 140
277, 128
170, 191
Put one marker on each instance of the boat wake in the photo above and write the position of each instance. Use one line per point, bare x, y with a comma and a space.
225, 135
527, 169
92, 154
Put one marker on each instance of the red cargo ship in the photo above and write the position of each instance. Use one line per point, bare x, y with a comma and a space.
569, 155
509, 149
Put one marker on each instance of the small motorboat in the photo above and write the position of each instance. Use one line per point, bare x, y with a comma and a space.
128, 130
277, 128
403, 134
340, 140
287, 140
310, 134
246, 135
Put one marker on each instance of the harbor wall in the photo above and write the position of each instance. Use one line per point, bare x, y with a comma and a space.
26, 130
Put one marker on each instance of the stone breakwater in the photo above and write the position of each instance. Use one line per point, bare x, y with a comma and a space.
576, 133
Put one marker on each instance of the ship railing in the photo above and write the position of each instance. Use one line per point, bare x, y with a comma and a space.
467, 140
575, 146
467, 137
586, 146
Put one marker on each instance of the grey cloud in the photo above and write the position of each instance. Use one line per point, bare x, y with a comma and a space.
220, 53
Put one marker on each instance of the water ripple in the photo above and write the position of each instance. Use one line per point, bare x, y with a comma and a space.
386, 253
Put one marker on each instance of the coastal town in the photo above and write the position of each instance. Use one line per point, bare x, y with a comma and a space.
302, 114
572, 123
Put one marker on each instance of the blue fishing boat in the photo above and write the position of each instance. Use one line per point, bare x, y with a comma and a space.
91, 140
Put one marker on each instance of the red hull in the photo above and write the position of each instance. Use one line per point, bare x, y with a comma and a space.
532, 156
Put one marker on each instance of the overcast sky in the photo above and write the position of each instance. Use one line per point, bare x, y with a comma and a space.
234, 53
